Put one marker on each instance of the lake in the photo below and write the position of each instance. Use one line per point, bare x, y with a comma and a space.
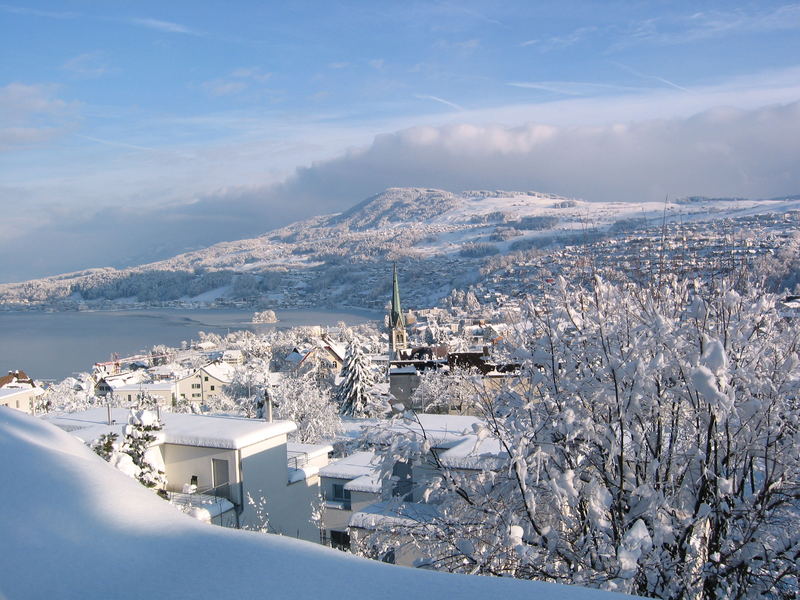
56, 345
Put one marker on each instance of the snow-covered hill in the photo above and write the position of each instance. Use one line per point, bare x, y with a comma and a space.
72, 526
440, 239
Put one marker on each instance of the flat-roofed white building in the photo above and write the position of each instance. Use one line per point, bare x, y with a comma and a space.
348, 486
230, 458
400, 502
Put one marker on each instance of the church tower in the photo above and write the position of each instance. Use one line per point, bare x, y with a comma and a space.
398, 340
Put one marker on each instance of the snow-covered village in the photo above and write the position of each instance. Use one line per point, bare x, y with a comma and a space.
452, 300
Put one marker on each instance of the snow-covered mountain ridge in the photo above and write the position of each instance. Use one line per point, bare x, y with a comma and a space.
440, 240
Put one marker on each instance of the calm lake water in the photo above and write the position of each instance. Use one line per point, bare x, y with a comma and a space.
56, 345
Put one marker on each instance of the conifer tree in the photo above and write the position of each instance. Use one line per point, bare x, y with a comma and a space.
140, 433
355, 399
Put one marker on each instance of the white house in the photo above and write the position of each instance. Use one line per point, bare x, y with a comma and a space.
163, 392
109, 383
204, 383
238, 470
399, 499
348, 485
19, 391
19, 398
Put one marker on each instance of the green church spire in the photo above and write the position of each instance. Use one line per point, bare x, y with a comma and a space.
396, 318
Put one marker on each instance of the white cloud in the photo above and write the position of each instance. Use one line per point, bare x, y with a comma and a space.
570, 39
20, 10
440, 101
573, 88
88, 65
165, 26
31, 114
710, 24
718, 152
239, 80
224, 87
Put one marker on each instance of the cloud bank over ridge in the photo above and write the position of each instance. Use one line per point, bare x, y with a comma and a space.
718, 152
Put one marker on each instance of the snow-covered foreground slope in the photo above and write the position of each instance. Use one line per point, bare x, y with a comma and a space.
73, 527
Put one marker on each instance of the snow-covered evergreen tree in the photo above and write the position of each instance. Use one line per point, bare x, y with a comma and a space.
106, 445
354, 395
135, 454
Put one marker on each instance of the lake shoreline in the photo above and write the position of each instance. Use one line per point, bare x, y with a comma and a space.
55, 345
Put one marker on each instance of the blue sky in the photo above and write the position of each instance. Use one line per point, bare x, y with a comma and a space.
132, 130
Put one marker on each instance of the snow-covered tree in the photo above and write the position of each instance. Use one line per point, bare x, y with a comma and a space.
138, 444
106, 445
135, 453
69, 395
250, 382
445, 391
300, 399
354, 393
650, 447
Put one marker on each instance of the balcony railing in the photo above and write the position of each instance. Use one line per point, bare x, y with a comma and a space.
296, 460
223, 491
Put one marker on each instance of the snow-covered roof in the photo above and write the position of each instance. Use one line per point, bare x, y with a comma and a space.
310, 450
371, 483
474, 453
382, 514
351, 467
126, 378
183, 429
77, 510
442, 431
302, 474
221, 371
338, 350
10, 392
16, 379
297, 355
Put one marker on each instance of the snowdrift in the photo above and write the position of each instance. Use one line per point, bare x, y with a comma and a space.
74, 527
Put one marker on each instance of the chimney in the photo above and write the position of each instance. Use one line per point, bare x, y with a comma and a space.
108, 406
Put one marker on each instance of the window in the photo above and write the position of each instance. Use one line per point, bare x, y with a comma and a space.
401, 476
340, 540
206, 378
212, 388
195, 395
219, 468
196, 386
339, 493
